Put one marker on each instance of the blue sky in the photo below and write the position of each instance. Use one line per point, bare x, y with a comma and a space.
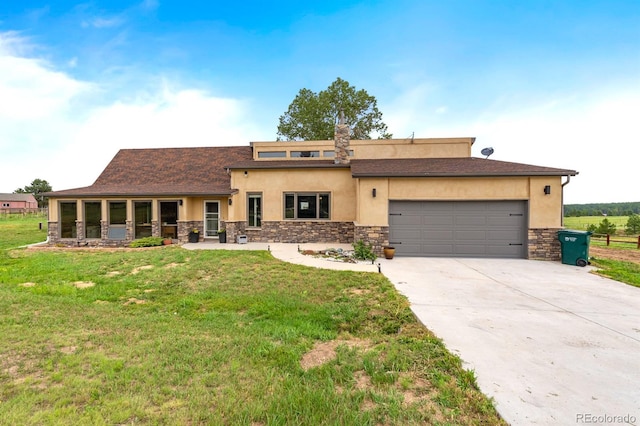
552, 83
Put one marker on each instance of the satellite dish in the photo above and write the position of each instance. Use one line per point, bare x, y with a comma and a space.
487, 152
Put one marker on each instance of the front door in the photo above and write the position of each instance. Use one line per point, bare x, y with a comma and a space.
211, 218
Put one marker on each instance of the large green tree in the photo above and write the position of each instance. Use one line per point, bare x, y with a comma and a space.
313, 116
37, 187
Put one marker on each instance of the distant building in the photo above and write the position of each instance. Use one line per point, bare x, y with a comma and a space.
18, 203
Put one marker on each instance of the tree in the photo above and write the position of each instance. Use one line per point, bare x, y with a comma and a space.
606, 227
313, 116
37, 187
633, 224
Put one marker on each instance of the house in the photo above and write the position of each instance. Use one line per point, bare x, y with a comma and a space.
427, 197
18, 203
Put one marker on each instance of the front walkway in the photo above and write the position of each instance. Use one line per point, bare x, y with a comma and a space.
292, 253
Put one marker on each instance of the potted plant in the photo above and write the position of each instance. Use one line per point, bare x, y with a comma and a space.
389, 252
222, 235
194, 235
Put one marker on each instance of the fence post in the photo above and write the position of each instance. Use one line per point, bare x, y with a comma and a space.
639, 241
608, 237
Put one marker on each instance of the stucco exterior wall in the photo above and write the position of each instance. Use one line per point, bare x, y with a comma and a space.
274, 183
371, 149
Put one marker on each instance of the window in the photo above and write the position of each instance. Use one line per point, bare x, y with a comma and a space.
306, 205
272, 154
117, 220
92, 216
255, 210
68, 217
305, 154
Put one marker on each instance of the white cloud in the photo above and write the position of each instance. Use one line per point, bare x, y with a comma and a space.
53, 127
594, 131
103, 22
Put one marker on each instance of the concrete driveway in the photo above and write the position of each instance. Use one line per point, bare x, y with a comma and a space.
551, 343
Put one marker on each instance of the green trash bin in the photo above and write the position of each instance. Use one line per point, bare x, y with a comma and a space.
574, 246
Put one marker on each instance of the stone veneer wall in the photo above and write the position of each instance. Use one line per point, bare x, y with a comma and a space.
299, 232
544, 244
234, 229
53, 231
185, 227
377, 236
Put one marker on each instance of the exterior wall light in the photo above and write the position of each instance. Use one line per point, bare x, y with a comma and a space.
547, 190
180, 202
230, 201
373, 193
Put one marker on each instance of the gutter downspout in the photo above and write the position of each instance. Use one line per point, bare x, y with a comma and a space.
562, 200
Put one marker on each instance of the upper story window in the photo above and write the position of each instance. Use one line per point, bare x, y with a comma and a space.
272, 154
305, 154
306, 205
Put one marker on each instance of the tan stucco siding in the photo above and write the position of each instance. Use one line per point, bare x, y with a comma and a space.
272, 184
373, 210
374, 149
419, 148
545, 211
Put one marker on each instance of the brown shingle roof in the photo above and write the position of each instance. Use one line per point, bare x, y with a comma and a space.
443, 167
17, 197
166, 171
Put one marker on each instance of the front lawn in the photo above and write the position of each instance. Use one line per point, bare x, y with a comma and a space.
170, 336
18, 230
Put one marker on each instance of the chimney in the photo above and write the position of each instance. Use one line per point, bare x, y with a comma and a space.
341, 140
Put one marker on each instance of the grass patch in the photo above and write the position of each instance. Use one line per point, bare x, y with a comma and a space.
18, 230
581, 223
170, 336
626, 272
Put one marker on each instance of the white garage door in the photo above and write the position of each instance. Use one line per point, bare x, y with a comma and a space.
459, 228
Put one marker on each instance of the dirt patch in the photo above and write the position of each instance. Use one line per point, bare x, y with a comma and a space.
134, 301
68, 350
141, 268
113, 273
83, 284
323, 352
171, 265
625, 255
28, 284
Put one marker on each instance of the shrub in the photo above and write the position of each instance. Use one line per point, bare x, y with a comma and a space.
147, 242
363, 251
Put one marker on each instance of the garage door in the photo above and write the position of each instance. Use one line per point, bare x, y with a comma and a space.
458, 228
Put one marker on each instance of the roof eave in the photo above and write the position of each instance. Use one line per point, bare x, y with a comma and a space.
518, 174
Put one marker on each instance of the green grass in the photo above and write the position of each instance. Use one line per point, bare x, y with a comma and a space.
626, 272
169, 336
17, 230
580, 223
